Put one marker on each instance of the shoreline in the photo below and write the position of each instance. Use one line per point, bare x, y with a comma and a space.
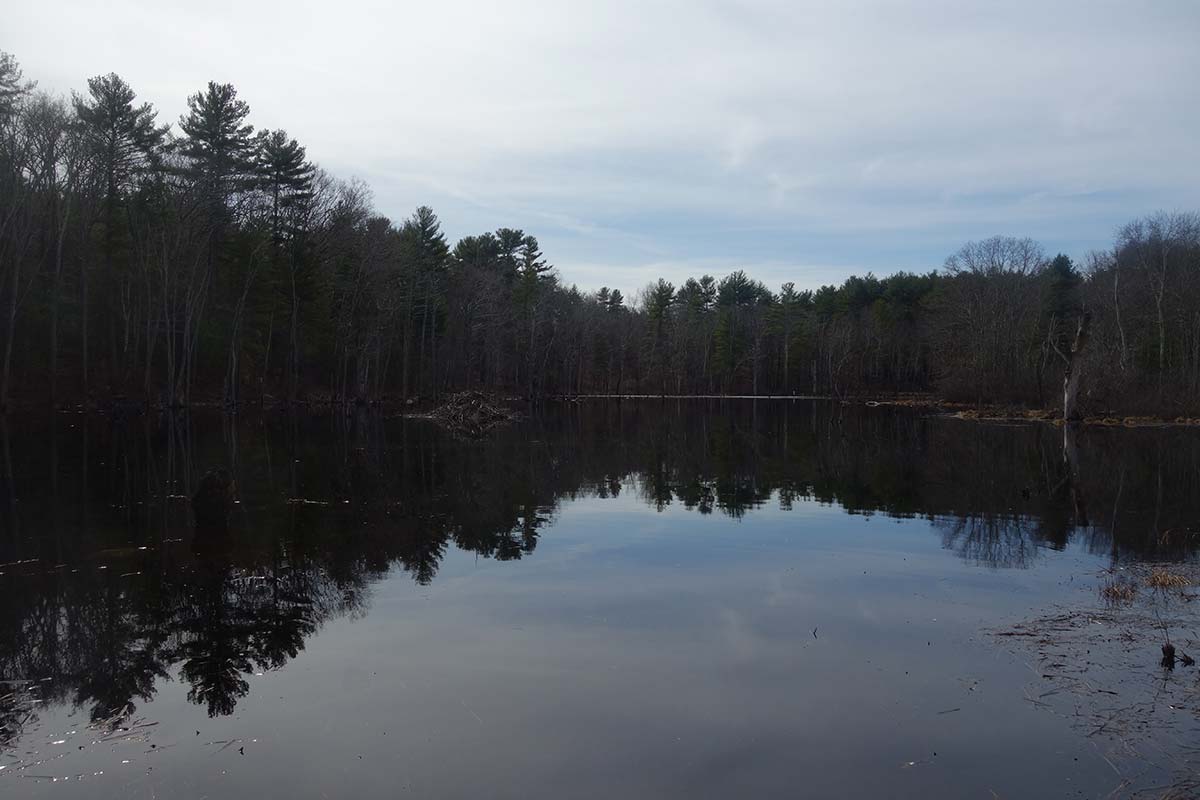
418, 407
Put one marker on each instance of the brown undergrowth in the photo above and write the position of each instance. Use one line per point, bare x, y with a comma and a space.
1009, 413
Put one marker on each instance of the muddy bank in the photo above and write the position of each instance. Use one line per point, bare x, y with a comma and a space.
932, 403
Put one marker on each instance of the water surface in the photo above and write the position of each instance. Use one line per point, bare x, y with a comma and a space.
641, 599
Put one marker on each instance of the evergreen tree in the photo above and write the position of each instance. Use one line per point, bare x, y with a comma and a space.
785, 321
123, 143
13, 86
285, 175
122, 137
478, 252
218, 143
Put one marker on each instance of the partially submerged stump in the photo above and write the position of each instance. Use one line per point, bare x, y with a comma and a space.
1168, 659
213, 502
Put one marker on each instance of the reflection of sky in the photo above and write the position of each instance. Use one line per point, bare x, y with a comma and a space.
644, 654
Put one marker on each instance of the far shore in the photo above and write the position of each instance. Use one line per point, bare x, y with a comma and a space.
421, 406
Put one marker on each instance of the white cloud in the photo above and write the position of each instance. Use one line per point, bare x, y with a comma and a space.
637, 133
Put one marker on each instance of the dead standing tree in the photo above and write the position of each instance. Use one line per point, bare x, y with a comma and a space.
1073, 368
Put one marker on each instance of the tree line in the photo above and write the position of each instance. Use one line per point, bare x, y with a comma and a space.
210, 261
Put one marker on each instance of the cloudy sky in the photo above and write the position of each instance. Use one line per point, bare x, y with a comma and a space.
799, 141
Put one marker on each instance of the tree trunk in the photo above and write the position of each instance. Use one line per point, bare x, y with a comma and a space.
422, 383
83, 290
151, 343
1117, 305
294, 346
56, 302
1073, 377
12, 329
1162, 340
266, 369
233, 370
786, 387
404, 351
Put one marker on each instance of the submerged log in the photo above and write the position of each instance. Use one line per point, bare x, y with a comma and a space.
213, 502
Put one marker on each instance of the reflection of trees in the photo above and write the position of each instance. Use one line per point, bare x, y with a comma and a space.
125, 664
16, 710
990, 539
392, 494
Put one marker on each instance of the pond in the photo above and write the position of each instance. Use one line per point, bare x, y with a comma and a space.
639, 599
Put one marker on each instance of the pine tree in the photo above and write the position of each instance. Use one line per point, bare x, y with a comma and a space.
13, 86
785, 319
122, 137
509, 242
285, 175
123, 142
426, 257
218, 144
218, 148
478, 252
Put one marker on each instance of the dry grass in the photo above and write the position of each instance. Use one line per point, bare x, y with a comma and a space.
1119, 590
1161, 578
1003, 413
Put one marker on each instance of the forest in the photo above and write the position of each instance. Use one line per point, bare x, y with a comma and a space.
209, 262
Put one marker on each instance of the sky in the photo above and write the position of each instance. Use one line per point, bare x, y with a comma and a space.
799, 141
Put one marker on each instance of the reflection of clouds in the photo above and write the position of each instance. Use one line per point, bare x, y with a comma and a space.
738, 636
867, 611
777, 594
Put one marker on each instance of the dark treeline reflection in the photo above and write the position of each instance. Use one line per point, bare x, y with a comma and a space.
107, 586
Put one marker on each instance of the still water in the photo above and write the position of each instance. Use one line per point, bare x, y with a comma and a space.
642, 600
